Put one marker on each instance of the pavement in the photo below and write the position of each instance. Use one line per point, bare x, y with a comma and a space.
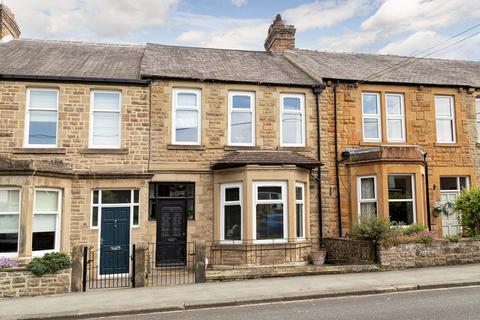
98, 303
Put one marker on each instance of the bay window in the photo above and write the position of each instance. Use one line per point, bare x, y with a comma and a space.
367, 196
105, 120
9, 221
231, 211
46, 221
292, 123
42, 118
300, 210
186, 116
270, 211
445, 119
395, 117
401, 198
241, 118
371, 119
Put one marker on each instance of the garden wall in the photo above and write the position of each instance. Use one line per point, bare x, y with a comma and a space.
19, 282
440, 252
348, 251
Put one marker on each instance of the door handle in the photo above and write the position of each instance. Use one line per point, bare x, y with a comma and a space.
115, 226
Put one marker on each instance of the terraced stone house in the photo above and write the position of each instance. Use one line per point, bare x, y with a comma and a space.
110, 145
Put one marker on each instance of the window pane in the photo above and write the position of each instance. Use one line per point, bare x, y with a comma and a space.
291, 104
44, 228
394, 105
370, 129
106, 101
9, 223
190, 209
116, 196
95, 217
463, 182
106, 130
241, 127
95, 196
370, 104
233, 222
269, 193
43, 99
43, 241
44, 222
136, 196
292, 128
368, 208
9, 201
443, 106
445, 130
299, 193
232, 194
8, 241
187, 100
299, 220
401, 212
367, 188
400, 187
241, 102
448, 183
136, 215
46, 201
395, 130
186, 126
42, 127
269, 221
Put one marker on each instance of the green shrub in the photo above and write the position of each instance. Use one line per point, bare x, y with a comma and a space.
468, 205
49, 263
413, 228
371, 227
453, 238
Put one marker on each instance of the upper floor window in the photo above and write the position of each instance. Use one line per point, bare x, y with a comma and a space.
371, 119
292, 124
105, 119
241, 118
445, 119
395, 117
186, 116
9, 221
231, 211
42, 118
367, 196
46, 221
478, 119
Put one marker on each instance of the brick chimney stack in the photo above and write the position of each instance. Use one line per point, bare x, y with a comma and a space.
280, 36
8, 25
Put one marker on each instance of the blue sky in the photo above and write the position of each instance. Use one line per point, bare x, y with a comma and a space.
402, 27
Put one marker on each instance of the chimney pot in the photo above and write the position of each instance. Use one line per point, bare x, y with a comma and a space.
281, 36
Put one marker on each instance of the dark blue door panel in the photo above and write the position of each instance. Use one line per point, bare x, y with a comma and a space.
115, 241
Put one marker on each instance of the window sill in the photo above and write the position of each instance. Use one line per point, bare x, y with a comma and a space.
448, 145
234, 148
185, 147
39, 151
103, 151
297, 149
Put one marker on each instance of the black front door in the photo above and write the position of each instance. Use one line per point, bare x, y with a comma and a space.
115, 241
171, 232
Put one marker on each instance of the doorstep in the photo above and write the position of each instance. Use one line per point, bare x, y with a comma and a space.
224, 274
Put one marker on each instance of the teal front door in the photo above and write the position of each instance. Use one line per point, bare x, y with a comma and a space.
115, 241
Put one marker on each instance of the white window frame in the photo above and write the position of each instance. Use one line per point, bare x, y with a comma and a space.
91, 145
301, 112
413, 199
360, 200
198, 108
100, 205
58, 222
251, 110
14, 254
302, 202
27, 119
456, 191
377, 117
283, 201
224, 203
451, 118
396, 117
477, 103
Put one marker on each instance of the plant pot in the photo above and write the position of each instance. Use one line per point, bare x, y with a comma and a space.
318, 258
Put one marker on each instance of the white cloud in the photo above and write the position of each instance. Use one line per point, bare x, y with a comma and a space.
89, 19
238, 3
349, 41
413, 44
322, 14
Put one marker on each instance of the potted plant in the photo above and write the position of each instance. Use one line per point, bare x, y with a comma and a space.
318, 257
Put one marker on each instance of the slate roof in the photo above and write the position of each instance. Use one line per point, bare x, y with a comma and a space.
243, 158
43, 59
358, 66
221, 64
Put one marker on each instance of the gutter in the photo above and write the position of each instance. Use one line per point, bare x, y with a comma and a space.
427, 192
337, 161
317, 90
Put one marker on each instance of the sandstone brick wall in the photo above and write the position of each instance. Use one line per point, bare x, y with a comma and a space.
348, 251
19, 282
439, 253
